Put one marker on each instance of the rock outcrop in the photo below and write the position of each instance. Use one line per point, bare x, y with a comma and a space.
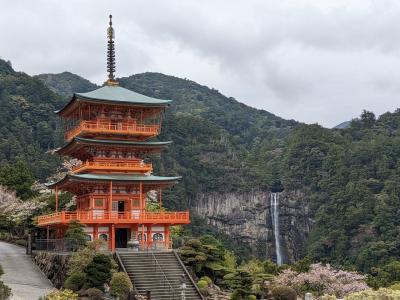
247, 217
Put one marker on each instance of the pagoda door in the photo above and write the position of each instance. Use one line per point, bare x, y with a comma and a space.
115, 209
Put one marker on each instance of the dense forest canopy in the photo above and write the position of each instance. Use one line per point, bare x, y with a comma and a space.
28, 126
354, 179
351, 175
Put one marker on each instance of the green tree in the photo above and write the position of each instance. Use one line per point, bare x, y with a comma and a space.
19, 178
98, 271
76, 235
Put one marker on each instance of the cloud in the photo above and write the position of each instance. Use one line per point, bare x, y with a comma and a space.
314, 61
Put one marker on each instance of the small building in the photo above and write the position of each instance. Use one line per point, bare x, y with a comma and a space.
109, 130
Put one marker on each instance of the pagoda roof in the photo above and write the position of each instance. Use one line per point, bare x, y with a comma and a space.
126, 178
116, 95
76, 141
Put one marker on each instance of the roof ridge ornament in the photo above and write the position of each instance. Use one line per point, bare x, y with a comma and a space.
111, 56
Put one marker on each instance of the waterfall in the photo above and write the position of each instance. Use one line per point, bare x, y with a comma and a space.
275, 226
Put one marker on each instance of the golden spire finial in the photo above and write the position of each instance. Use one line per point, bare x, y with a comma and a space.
111, 55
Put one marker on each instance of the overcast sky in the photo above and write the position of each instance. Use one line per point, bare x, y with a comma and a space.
315, 61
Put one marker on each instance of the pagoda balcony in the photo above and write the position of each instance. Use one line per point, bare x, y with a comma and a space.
89, 217
135, 166
125, 128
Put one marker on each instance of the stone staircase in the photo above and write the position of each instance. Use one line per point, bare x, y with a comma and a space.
160, 273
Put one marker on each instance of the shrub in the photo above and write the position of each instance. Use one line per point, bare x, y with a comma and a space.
61, 295
75, 281
207, 279
98, 271
21, 242
83, 257
5, 291
120, 285
395, 287
381, 294
284, 293
202, 284
94, 294
328, 297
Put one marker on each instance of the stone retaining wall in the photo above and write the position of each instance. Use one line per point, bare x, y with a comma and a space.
53, 265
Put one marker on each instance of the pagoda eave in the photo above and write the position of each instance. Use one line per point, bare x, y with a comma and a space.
78, 143
113, 95
146, 180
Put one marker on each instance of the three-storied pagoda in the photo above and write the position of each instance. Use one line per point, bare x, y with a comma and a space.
108, 130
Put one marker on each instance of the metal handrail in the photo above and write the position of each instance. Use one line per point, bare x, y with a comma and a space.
165, 276
121, 265
187, 274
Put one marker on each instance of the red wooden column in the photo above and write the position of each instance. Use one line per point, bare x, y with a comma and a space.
142, 241
95, 231
113, 238
110, 198
167, 236
149, 236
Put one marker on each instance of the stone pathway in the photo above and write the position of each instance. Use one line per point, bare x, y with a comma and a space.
21, 275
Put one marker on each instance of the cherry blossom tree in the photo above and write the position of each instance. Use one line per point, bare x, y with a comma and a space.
323, 279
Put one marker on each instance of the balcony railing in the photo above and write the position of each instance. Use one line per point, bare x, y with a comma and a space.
108, 127
115, 217
137, 166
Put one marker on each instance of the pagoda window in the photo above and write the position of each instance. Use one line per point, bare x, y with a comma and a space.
135, 203
158, 237
103, 237
99, 203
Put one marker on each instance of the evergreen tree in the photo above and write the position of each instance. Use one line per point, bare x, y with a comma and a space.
18, 178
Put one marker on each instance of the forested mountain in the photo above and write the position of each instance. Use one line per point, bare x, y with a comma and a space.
28, 126
351, 176
216, 139
66, 83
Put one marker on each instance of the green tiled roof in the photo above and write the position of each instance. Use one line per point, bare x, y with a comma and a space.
122, 177
120, 94
121, 142
79, 142
117, 177
115, 94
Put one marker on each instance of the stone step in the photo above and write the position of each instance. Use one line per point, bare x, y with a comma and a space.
144, 272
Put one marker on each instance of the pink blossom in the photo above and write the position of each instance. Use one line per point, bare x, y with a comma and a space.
323, 279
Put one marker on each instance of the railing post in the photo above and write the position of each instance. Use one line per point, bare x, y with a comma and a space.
29, 244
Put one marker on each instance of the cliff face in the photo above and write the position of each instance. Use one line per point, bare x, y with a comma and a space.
248, 218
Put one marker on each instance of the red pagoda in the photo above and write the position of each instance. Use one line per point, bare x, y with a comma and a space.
108, 130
